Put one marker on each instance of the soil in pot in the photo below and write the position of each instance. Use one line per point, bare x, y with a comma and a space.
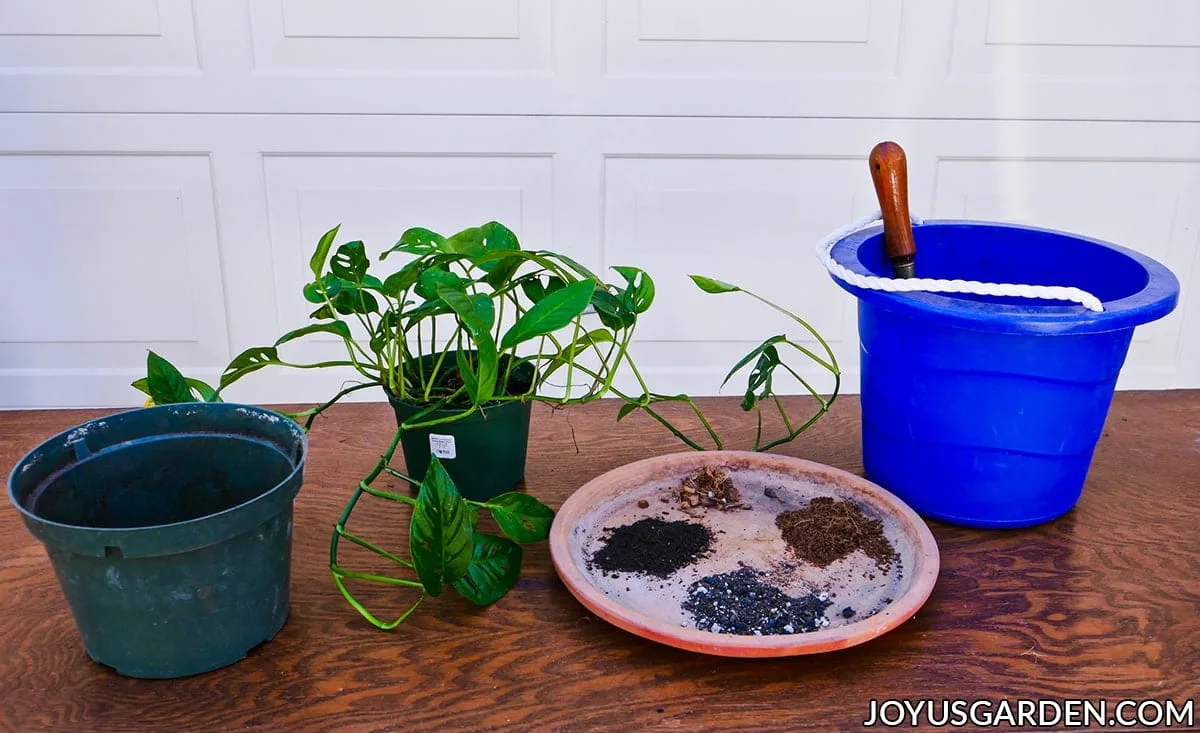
448, 379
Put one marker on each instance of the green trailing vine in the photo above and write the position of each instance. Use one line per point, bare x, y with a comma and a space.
468, 322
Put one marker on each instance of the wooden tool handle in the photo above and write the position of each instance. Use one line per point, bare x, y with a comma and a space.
889, 171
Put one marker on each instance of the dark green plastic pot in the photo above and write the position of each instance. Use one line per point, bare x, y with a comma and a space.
170, 531
483, 452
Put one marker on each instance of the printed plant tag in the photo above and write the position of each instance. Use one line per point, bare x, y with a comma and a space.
441, 446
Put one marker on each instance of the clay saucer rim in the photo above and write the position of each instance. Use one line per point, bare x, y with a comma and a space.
632, 476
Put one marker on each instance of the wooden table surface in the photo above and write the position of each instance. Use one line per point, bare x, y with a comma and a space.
1102, 604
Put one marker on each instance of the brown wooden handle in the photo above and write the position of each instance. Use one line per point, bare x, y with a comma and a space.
889, 170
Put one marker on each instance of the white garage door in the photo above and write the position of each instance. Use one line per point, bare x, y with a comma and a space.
167, 165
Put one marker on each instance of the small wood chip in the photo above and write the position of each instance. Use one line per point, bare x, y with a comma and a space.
709, 486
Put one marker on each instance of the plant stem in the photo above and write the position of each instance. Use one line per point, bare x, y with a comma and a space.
380, 493
373, 578
383, 625
373, 548
312, 413
803, 381
674, 430
832, 366
695, 408
340, 531
406, 477
783, 413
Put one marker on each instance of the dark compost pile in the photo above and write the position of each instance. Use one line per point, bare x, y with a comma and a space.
652, 546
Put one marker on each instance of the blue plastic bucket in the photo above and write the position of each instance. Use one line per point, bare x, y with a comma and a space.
985, 411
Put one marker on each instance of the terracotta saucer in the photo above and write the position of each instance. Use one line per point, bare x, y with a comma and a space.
866, 598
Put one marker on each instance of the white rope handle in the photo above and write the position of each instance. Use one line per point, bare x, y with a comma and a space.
924, 284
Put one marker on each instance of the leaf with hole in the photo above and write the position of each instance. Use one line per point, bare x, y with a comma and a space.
350, 262
639, 290
324, 287
761, 377
206, 392
338, 328
494, 570
440, 534
384, 331
415, 241
250, 360
752, 355
549, 314
498, 238
521, 517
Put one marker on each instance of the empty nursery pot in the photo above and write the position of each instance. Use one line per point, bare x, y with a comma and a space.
985, 410
170, 531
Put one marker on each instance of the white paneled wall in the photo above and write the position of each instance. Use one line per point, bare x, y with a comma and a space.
166, 166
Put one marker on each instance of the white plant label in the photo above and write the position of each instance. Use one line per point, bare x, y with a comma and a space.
441, 446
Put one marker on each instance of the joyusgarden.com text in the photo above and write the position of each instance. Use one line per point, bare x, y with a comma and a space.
1032, 713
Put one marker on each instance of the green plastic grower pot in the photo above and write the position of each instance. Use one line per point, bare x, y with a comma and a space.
483, 452
169, 530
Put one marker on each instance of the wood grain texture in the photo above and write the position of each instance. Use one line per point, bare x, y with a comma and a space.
1102, 604
889, 172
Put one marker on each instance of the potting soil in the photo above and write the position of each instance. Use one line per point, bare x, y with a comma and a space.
828, 530
652, 546
741, 603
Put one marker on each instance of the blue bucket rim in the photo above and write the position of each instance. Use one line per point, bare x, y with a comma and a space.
114, 535
1155, 300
